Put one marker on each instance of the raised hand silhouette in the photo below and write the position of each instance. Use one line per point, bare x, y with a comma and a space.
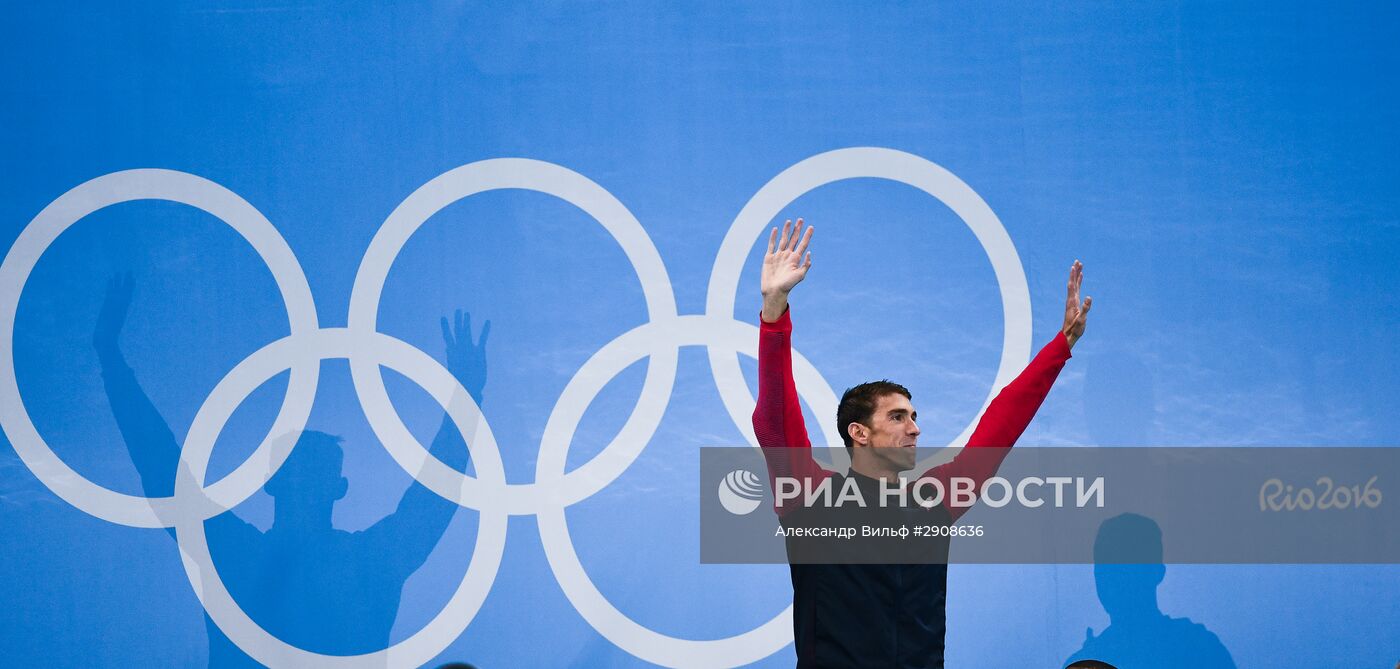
309, 583
466, 361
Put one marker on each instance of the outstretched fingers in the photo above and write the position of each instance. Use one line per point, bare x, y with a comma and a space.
119, 287
458, 331
794, 239
1076, 277
485, 332
806, 239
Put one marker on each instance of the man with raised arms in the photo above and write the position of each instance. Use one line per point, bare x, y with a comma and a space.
856, 609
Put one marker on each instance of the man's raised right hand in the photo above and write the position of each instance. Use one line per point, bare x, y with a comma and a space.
784, 266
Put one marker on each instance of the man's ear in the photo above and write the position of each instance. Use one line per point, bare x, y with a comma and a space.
860, 434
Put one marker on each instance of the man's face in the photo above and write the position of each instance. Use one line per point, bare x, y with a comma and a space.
893, 432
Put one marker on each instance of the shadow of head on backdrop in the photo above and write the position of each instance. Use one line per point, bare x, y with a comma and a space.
1128, 567
310, 481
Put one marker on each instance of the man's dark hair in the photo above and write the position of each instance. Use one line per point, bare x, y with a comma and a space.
858, 404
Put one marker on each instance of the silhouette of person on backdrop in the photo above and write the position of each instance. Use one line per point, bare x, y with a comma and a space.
1127, 570
308, 583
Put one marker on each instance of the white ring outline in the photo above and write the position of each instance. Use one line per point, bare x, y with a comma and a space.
881, 163
228, 207
247, 376
407, 218
615, 626
781, 191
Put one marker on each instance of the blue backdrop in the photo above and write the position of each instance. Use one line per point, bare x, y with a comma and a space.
1226, 174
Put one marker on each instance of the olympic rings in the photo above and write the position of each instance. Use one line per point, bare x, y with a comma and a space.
658, 341
151, 184
419, 367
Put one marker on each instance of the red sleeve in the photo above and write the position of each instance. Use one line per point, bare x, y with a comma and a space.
777, 420
1006, 418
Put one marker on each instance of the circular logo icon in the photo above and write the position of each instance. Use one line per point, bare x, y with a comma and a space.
740, 492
